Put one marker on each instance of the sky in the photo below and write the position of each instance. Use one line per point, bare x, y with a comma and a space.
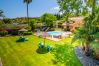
16, 8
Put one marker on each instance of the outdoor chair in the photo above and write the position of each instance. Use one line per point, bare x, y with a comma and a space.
26, 39
23, 39
41, 45
49, 48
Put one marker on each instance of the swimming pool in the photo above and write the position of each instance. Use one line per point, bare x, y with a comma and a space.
55, 33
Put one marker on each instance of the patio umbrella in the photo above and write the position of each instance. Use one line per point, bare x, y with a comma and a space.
23, 30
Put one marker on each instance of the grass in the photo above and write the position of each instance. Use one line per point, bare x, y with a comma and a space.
95, 45
24, 53
58, 29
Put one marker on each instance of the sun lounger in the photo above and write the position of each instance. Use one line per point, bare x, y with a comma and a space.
41, 45
49, 48
21, 39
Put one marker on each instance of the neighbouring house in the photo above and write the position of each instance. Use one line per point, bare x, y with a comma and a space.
73, 23
9, 29
12, 31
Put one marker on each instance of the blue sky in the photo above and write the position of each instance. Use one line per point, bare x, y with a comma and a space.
16, 8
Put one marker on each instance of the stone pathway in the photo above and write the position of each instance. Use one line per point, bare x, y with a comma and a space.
85, 60
0, 62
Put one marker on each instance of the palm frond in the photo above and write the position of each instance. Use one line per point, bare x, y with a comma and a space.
27, 1
79, 34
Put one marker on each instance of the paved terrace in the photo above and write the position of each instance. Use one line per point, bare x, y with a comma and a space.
85, 60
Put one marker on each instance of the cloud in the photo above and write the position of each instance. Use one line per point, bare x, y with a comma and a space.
56, 8
61, 13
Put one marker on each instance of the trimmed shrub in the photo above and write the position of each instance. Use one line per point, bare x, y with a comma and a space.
51, 29
3, 32
66, 29
27, 33
14, 32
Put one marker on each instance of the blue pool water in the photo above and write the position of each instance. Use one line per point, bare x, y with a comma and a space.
54, 33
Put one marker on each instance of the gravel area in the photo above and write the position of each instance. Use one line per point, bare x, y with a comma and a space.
85, 60
0, 62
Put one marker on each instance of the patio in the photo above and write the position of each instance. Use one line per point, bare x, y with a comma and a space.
52, 37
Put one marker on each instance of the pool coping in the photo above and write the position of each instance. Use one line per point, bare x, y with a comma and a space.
46, 37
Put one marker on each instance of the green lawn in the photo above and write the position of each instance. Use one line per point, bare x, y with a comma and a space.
95, 45
24, 53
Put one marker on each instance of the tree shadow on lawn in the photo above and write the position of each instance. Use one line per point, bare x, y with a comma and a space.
42, 50
19, 41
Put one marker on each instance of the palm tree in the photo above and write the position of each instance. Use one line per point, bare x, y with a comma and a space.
27, 3
92, 4
86, 34
1, 14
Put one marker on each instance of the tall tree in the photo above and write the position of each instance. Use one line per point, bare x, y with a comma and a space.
67, 7
27, 3
75, 6
48, 19
32, 24
1, 14
85, 34
91, 4
58, 16
7, 21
